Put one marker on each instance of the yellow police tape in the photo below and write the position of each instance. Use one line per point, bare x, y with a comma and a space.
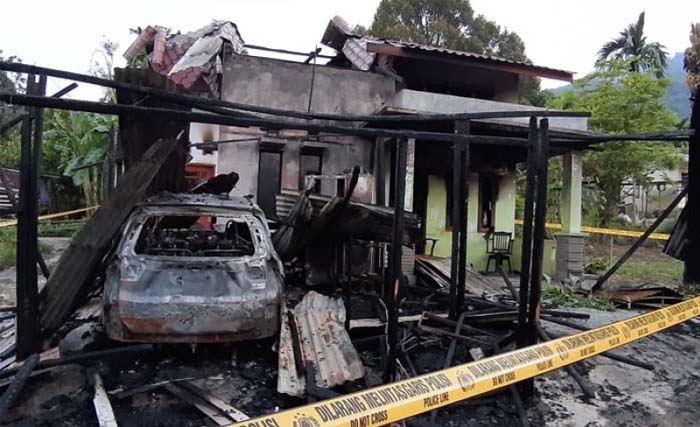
393, 402
50, 216
606, 231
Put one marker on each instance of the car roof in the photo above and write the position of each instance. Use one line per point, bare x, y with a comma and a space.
203, 200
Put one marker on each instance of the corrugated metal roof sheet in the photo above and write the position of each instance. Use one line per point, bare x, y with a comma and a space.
338, 31
325, 345
471, 55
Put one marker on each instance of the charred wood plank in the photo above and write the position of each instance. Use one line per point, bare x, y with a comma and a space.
103, 408
17, 384
205, 407
79, 261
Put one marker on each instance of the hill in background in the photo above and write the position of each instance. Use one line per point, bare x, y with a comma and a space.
677, 94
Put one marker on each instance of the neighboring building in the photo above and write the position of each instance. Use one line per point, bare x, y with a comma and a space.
384, 77
640, 202
9, 187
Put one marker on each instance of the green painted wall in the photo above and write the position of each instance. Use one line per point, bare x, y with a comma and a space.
476, 245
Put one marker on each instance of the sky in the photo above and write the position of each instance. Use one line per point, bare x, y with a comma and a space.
563, 34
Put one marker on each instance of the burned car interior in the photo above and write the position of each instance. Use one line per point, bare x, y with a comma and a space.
195, 236
194, 268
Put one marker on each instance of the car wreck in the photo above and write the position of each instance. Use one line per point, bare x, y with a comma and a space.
193, 268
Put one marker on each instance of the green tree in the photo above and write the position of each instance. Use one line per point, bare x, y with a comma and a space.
445, 23
691, 59
9, 142
454, 25
632, 45
77, 142
621, 102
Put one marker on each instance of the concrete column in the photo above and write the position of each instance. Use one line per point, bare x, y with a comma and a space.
570, 241
571, 193
410, 169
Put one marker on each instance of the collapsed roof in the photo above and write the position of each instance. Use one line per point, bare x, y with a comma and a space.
362, 52
184, 58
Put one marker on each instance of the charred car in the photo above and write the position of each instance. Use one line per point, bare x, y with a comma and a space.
193, 268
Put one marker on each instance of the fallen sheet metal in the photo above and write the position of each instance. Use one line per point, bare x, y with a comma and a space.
437, 271
325, 346
640, 295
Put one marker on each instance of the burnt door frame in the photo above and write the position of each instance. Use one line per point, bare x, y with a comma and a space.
267, 202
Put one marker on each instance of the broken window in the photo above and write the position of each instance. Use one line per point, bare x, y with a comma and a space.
195, 236
488, 194
310, 164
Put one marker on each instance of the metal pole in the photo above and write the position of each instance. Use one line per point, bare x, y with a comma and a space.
27, 289
396, 273
462, 127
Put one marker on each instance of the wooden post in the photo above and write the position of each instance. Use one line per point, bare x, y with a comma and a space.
456, 221
462, 127
691, 272
539, 232
393, 282
380, 175
524, 336
27, 337
526, 251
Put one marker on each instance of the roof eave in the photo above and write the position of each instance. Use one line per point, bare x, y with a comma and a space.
508, 67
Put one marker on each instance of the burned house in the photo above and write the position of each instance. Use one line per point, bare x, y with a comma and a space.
190, 265
368, 76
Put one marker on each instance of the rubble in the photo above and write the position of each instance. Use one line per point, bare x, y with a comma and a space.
324, 346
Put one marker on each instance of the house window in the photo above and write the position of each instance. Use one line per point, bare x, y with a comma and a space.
310, 164
488, 194
269, 181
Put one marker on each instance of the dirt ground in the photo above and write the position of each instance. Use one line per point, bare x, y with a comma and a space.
245, 377
629, 396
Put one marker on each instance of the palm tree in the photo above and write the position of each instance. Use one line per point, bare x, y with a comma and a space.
632, 44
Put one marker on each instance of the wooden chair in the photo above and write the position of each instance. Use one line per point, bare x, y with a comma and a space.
499, 247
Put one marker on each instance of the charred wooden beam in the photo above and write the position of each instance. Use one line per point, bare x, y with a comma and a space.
27, 289
18, 119
538, 231
23, 373
80, 262
202, 103
392, 283
691, 271
187, 116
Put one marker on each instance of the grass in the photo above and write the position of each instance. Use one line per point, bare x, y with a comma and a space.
8, 243
562, 297
8, 247
668, 272
648, 266
60, 228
